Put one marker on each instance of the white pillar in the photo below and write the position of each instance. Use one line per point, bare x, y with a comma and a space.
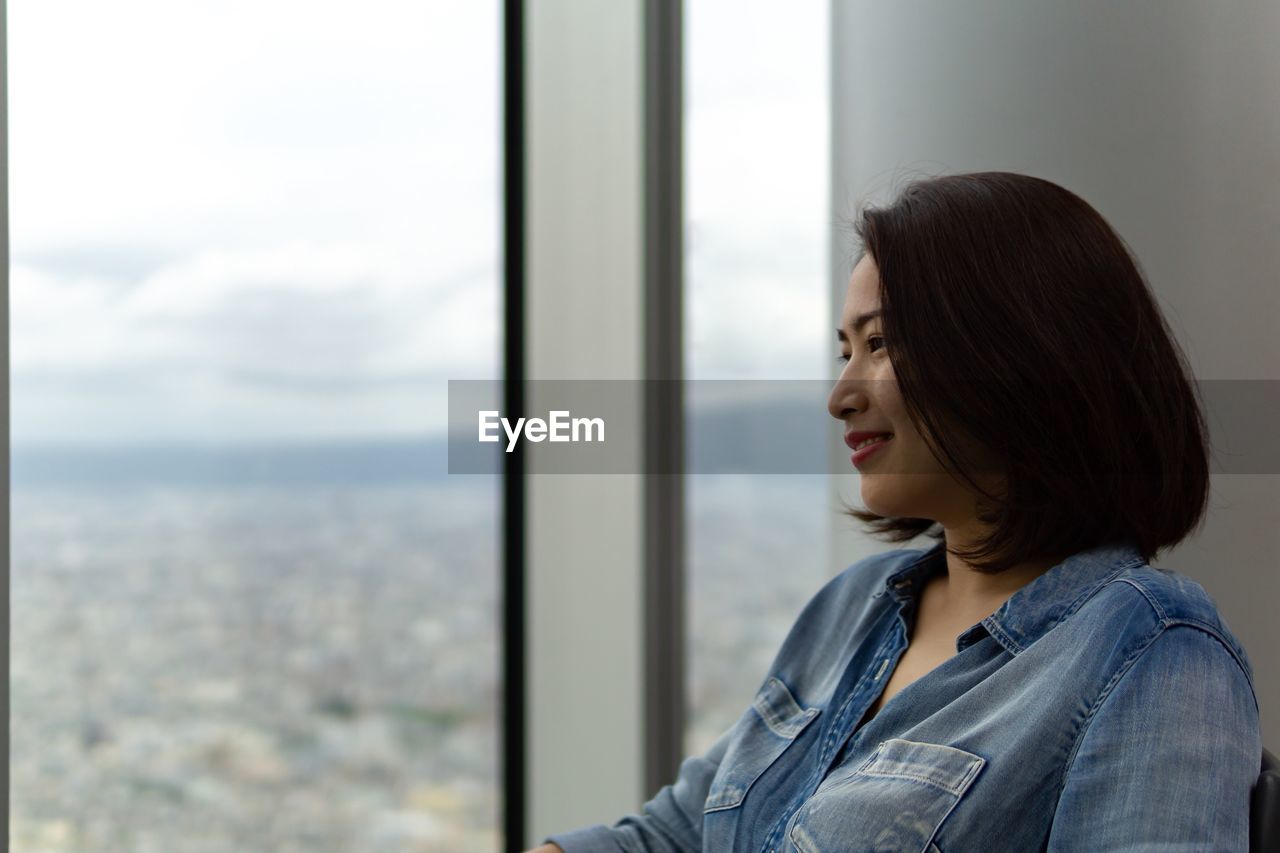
584, 320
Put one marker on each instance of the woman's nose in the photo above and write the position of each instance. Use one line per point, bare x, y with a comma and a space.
846, 398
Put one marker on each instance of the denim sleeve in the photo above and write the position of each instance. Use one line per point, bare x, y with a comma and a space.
1168, 758
671, 821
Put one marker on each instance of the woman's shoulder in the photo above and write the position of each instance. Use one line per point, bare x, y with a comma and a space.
1162, 600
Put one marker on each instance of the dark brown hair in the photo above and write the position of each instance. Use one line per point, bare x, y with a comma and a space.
1017, 318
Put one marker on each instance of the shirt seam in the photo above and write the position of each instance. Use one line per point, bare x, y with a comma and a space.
997, 630
1209, 629
1089, 593
1102, 698
1212, 631
1151, 599
1194, 622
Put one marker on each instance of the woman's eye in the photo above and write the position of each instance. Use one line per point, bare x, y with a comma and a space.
844, 359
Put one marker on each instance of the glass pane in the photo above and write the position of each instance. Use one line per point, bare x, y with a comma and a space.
250, 610
756, 173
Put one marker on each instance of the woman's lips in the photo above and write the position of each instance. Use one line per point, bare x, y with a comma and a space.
860, 455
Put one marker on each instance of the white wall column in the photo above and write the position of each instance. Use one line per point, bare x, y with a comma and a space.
585, 317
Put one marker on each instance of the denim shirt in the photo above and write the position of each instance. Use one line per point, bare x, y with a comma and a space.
1104, 706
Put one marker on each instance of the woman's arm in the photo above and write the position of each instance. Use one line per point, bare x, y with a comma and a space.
1167, 759
672, 820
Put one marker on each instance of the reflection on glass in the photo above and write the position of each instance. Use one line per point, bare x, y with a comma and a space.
250, 610
756, 177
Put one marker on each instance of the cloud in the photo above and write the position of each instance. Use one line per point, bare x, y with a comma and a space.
352, 320
757, 158
247, 218
178, 123
283, 219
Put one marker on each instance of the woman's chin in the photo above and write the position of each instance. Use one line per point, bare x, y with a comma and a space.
895, 496
875, 499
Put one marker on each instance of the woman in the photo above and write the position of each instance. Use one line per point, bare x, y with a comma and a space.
1030, 682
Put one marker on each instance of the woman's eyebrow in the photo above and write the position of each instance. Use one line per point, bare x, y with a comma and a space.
858, 323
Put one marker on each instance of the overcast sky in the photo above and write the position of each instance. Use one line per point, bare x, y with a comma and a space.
281, 219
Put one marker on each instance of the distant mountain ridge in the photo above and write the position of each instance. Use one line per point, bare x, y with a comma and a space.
750, 439
196, 464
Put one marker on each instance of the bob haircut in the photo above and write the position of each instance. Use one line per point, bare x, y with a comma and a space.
1017, 320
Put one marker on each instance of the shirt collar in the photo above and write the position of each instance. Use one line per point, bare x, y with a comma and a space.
1036, 607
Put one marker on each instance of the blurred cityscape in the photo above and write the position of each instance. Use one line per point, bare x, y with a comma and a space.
254, 669
207, 667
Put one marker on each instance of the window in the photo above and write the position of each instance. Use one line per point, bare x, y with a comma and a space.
756, 173
249, 608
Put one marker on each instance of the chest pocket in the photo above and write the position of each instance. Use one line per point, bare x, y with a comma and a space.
765, 731
896, 800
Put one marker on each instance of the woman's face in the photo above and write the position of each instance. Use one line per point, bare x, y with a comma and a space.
866, 399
